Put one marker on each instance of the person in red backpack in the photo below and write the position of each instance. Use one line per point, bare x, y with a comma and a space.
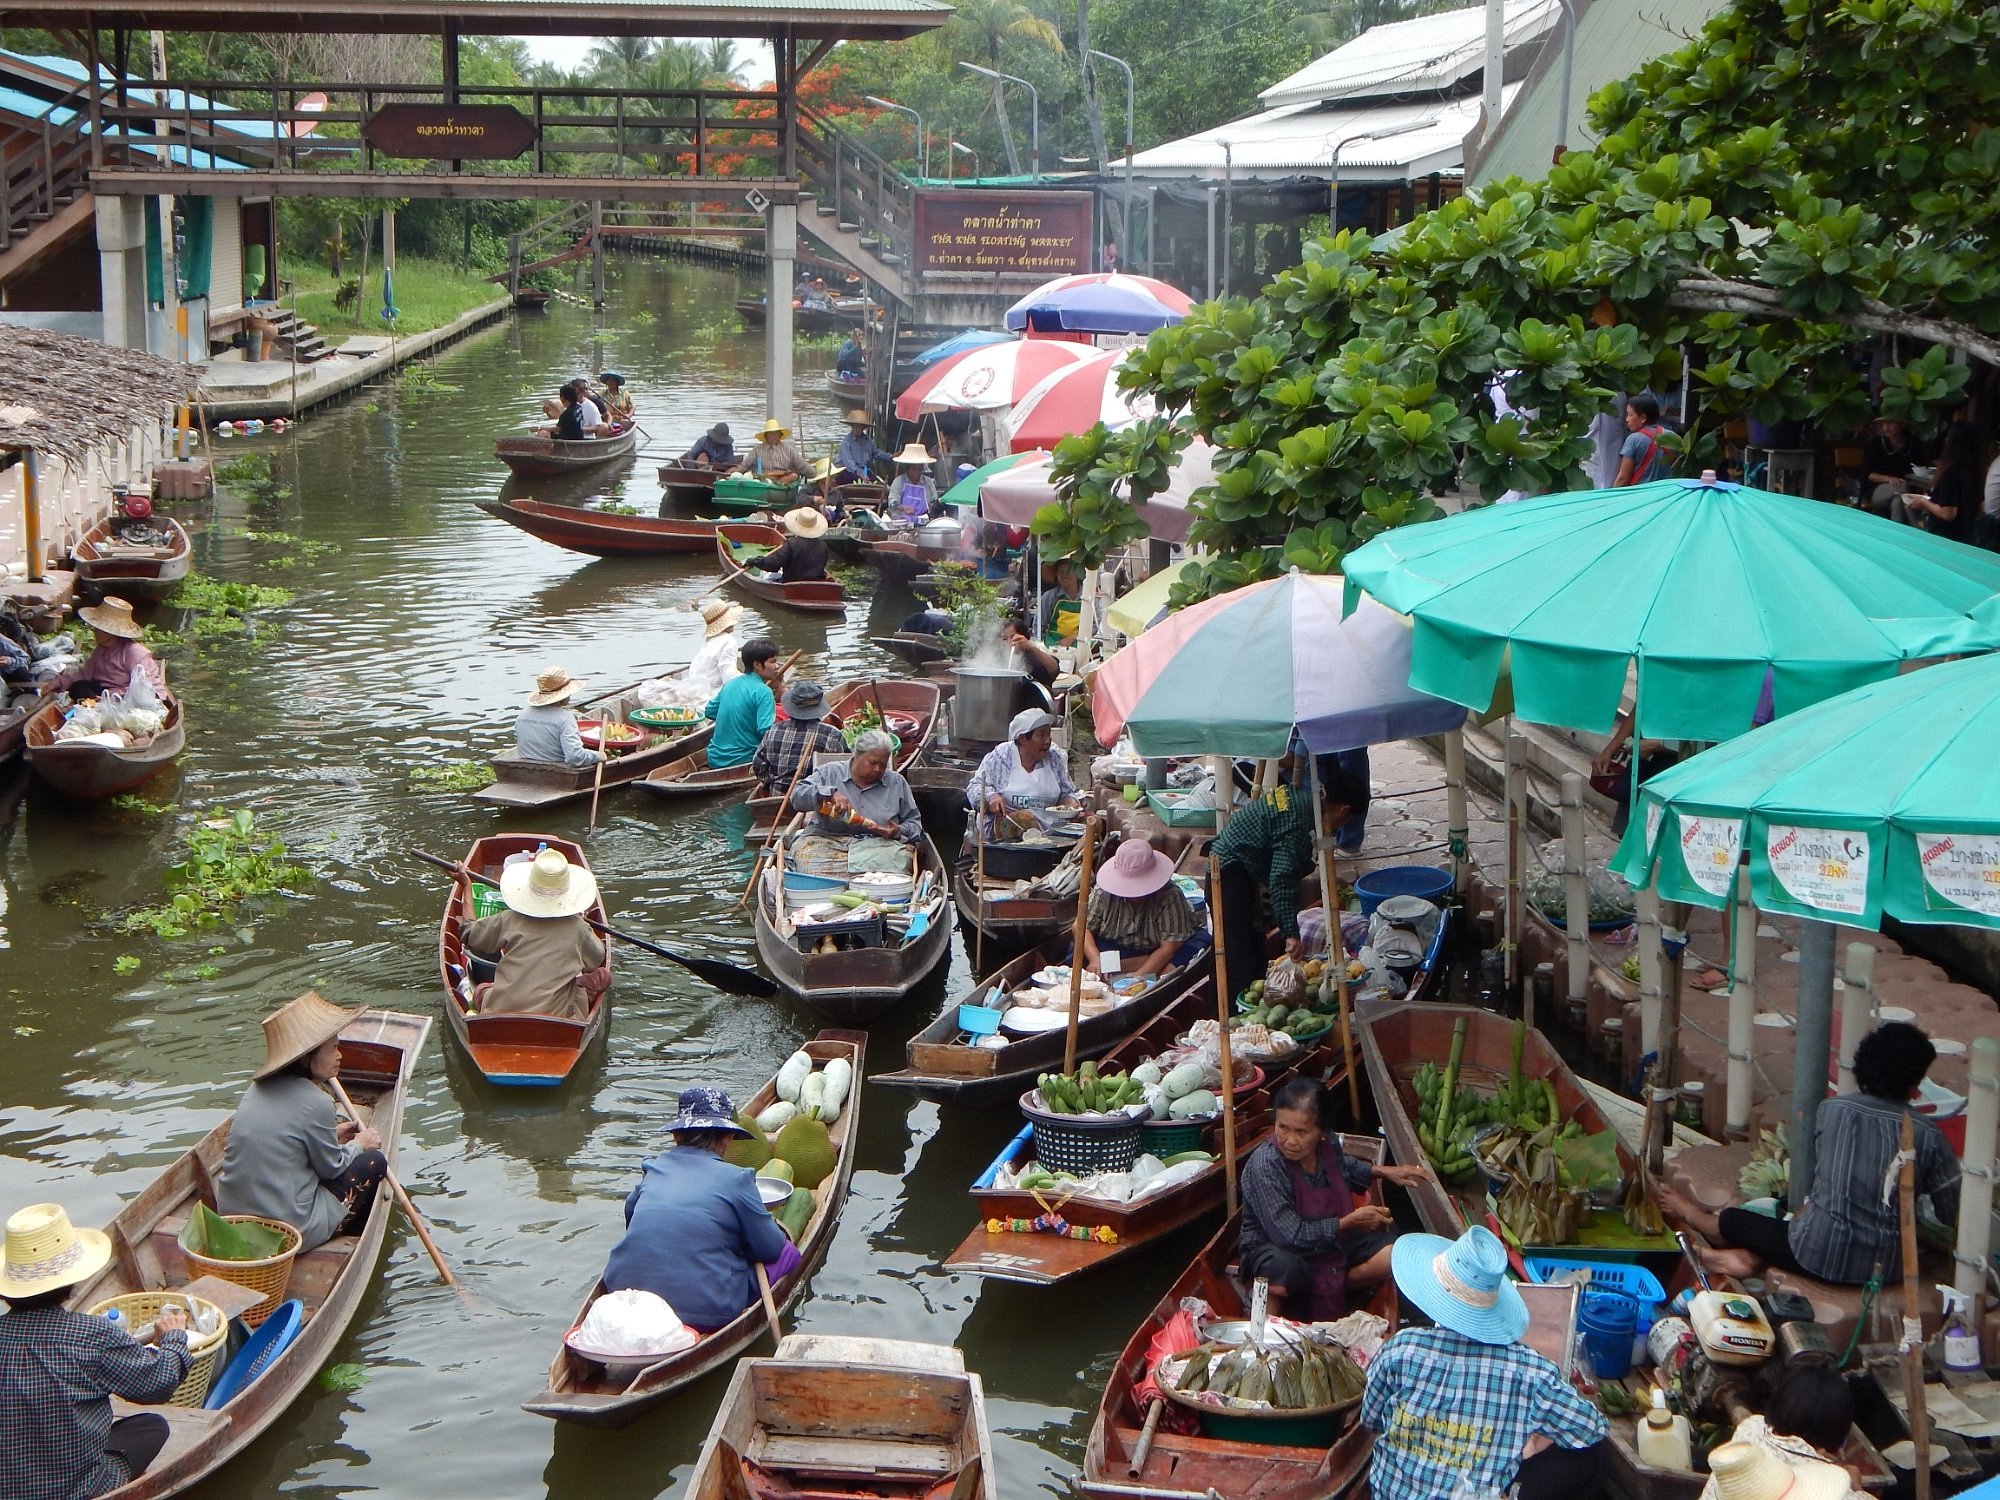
1642, 458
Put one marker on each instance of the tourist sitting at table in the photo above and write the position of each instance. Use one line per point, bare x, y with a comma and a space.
1806, 1428
546, 729
861, 796
287, 1157
792, 744
1304, 1226
1891, 455
115, 660
1949, 507
744, 710
714, 449
1030, 654
857, 454
1024, 783
1464, 1406
549, 960
1137, 913
616, 400
775, 457
802, 556
695, 1229
912, 496
59, 1369
1845, 1229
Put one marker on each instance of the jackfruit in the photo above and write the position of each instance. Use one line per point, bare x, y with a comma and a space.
796, 1213
808, 1146
752, 1152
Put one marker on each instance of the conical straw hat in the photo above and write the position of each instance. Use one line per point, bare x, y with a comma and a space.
299, 1028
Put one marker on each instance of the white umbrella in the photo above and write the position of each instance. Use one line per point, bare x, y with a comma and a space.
1013, 498
988, 378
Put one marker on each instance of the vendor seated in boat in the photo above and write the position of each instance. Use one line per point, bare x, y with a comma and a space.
1464, 1406
1037, 660
1845, 1229
546, 729
862, 797
802, 556
1024, 784
744, 710
913, 498
1139, 916
616, 400
794, 742
1303, 1227
59, 1369
857, 455
695, 1229
288, 1157
550, 962
850, 359
714, 663
714, 449
775, 458
1805, 1430
116, 659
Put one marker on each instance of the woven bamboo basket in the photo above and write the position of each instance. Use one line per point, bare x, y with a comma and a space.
141, 1308
270, 1276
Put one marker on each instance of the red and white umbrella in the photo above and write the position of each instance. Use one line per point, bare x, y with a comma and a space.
988, 378
1100, 302
1075, 400
1012, 498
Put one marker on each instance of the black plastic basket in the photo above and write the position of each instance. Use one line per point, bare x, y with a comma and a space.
1082, 1144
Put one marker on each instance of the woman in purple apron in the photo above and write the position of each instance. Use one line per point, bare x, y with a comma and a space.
1303, 1226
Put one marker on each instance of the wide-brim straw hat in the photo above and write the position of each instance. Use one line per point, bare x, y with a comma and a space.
773, 428
858, 418
112, 617
45, 1252
299, 1027
1750, 1471
548, 886
719, 615
914, 453
1461, 1284
553, 685
1137, 869
806, 522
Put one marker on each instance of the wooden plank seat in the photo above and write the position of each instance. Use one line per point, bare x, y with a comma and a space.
839, 1457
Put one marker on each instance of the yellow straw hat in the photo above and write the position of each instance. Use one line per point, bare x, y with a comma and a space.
112, 617
1750, 1471
913, 453
719, 615
858, 418
548, 886
553, 685
806, 521
44, 1252
773, 428
299, 1027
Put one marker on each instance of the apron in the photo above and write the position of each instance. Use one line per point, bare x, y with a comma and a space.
1328, 1299
913, 502
1036, 790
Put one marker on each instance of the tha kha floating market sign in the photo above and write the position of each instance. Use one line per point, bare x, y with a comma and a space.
454, 132
1004, 234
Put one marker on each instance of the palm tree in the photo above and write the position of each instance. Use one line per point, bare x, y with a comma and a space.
722, 59
616, 60
980, 27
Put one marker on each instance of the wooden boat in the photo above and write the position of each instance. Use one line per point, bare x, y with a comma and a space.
846, 313
738, 543
377, 1050
542, 783
832, 1417
854, 387
911, 709
534, 455
1181, 1466
918, 648
943, 1066
14, 728
1008, 919
692, 776
581, 1390
863, 492
854, 985
91, 773
529, 299
689, 477
604, 533
105, 564
745, 494
518, 1049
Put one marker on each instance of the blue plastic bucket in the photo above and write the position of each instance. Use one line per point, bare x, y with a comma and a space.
1607, 1323
1377, 886
980, 1020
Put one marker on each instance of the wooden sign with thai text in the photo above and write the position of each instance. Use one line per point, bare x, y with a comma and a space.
991, 233
455, 132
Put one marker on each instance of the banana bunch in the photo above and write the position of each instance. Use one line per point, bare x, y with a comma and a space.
1087, 1092
1768, 1173
1447, 1115
1304, 1375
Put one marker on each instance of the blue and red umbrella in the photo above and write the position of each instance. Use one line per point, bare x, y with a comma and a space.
1100, 302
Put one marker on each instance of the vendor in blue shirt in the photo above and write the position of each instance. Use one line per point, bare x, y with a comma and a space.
745, 708
695, 1229
857, 451
714, 449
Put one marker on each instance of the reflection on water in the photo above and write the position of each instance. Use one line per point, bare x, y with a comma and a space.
413, 643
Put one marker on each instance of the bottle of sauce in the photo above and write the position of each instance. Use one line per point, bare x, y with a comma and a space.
1665, 1441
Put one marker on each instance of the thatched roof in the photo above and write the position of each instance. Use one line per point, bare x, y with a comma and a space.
66, 395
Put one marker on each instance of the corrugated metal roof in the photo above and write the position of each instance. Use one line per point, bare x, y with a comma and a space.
1386, 142
1404, 57
250, 127
807, 18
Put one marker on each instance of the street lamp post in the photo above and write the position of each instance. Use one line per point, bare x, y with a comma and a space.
1562, 95
1125, 219
1034, 113
923, 143
1336, 147
959, 148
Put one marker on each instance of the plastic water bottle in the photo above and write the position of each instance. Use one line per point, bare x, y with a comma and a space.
115, 1318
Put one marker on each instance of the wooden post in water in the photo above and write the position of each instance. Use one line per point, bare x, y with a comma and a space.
1082, 925
1222, 999
1912, 1347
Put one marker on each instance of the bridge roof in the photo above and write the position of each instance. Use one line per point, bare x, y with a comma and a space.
839, 19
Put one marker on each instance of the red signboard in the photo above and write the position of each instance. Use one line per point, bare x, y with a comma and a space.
454, 132
1005, 234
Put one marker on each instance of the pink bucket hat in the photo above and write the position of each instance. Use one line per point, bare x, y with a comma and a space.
1137, 869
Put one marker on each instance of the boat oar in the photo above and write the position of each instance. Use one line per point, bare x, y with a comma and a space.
770, 1302
402, 1194
764, 853
1145, 1444
733, 978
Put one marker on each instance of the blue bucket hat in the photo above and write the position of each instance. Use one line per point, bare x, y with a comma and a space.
1461, 1284
706, 1109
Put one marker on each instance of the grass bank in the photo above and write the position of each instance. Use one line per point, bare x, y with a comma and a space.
429, 294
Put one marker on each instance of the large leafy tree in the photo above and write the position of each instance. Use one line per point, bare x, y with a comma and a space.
1802, 195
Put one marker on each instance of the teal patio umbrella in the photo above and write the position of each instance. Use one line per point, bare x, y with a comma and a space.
1705, 585
966, 491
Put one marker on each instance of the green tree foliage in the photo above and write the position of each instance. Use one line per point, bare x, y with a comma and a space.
1802, 194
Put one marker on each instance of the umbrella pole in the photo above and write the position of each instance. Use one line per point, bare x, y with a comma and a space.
1812, 1045
1912, 1348
1222, 998
1742, 1006
1658, 1121
1076, 952
1514, 788
1457, 825
1857, 1010
1336, 943
979, 888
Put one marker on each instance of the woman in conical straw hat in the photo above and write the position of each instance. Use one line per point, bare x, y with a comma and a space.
912, 495
545, 729
59, 1369
550, 962
714, 663
774, 457
118, 658
802, 556
289, 1156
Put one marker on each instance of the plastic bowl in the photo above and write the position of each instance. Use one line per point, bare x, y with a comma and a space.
623, 736
773, 1190
980, 1020
666, 718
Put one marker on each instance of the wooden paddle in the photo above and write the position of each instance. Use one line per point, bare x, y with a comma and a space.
770, 1302
402, 1195
732, 978
764, 853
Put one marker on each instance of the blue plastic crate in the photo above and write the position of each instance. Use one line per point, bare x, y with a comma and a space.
1636, 1282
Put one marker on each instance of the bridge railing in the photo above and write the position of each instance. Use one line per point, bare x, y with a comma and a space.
860, 187
44, 167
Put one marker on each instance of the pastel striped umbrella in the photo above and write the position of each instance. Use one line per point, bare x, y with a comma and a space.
1075, 400
1100, 302
988, 378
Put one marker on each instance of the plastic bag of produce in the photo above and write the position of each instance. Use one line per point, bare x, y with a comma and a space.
633, 1322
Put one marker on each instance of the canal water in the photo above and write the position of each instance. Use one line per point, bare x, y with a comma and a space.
411, 643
